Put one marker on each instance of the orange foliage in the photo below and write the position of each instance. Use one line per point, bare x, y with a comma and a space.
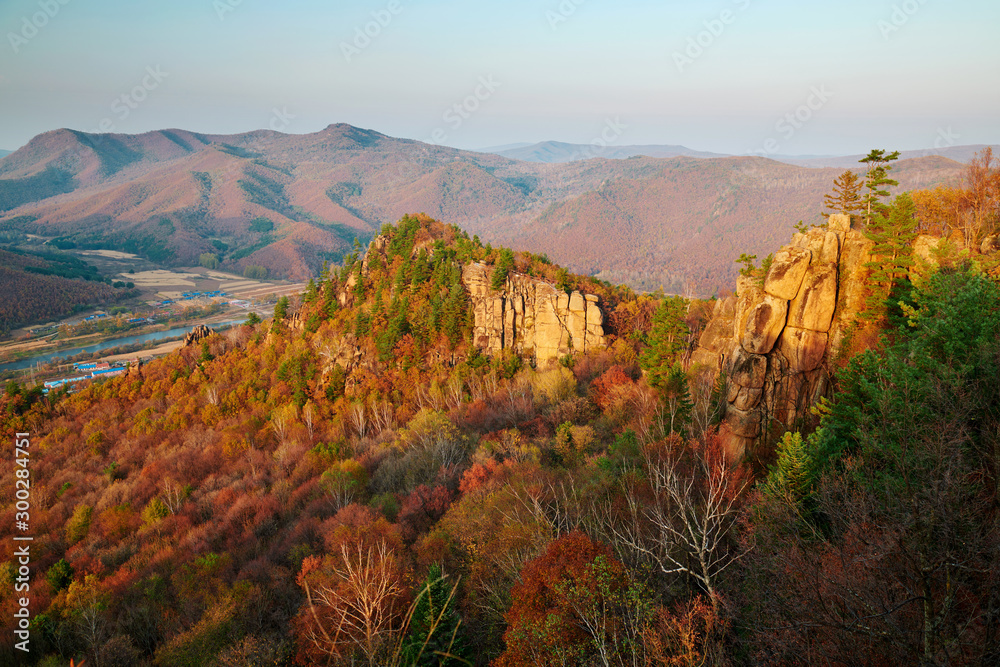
602, 387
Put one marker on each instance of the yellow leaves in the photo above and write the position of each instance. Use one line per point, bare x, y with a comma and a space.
554, 385
79, 524
211, 415
143, 423
234, 447
155, 510
910, 313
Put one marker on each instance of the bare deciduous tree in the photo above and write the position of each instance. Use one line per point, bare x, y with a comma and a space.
685, 530
359, 606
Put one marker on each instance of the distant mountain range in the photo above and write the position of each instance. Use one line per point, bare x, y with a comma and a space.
556, 152
961, 154
287, 202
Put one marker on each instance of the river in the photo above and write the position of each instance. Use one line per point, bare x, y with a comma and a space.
26, 363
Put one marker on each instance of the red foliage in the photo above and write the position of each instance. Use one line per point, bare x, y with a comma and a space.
557, 588
601, 388
477, 476
421, 509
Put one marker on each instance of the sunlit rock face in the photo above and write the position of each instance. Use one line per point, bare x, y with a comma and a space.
785, 331
531, 317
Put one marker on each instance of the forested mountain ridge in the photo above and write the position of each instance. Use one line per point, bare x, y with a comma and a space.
289, 202
356, 481
39, 286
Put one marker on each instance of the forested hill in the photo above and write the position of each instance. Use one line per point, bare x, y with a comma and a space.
41, 286
356, 482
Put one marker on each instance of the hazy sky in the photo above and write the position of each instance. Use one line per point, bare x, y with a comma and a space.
729, 76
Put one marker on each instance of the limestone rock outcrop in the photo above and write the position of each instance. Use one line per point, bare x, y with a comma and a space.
197, 334
531, 317
785, 331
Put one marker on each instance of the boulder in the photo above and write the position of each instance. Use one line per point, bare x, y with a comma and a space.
990, 244
744, 398
762, 325
718, 335
838, 222
924, 249
743, 423
804, 349
787, 270
829, 252
197, 334
813, 308
749, 370
531, 317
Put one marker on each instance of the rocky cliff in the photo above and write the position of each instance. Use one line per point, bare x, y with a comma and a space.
528, 316
776, 339
531, 317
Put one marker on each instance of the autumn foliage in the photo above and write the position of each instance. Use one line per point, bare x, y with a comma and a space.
289, 497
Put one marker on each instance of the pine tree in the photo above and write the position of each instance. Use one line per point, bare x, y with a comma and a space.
667, 339
846, 196
677, 398
455, 309
893, 237
281, 309
505, 262
876, 179
434, 626
791, 475
311, 292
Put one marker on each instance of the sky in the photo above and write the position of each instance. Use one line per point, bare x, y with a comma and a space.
728, 76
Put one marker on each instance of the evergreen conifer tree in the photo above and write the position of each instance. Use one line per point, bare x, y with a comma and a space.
677, 398
311, 292
876, 180
893, 237
667, 339
846, 195
790, 477
434, 639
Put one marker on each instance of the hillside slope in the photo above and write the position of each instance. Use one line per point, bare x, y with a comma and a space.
386, 440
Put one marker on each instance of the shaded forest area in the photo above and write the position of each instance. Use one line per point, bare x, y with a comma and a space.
40, 286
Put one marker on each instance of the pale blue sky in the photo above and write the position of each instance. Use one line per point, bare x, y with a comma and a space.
893, 74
